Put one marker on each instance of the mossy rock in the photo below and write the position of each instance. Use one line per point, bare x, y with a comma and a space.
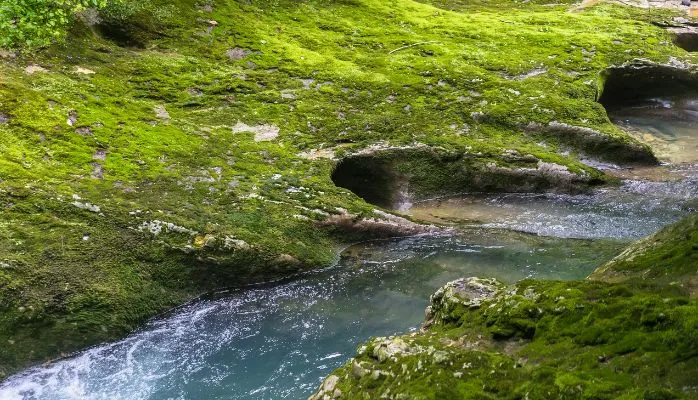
184, 146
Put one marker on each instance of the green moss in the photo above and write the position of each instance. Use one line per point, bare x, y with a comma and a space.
139, 123
668, 257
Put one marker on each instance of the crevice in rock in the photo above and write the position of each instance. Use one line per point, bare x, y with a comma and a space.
372, 178
686, 39
635, 84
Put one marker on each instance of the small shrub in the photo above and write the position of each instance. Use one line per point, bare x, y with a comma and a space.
38, 23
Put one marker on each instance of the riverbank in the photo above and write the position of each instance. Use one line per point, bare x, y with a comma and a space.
142, 167
629, 331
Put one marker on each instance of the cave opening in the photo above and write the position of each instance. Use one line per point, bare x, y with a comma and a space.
687, 40
634, 86
657, 105
371, 178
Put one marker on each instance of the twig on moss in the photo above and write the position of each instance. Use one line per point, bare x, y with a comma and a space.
411, 45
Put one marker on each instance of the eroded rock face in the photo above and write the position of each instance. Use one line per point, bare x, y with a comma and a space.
686, 38
396, 177
382, 224
595, 143
641, 79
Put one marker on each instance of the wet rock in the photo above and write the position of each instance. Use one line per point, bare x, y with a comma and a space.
470, 292
464, 292
383, 225
238, 53
262, 133
161, 113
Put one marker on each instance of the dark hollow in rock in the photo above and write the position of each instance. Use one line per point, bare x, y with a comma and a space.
125, 35
371, 178
687, 40
627, 86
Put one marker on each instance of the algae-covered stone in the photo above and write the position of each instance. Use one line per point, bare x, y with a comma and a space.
464, 292
388, 348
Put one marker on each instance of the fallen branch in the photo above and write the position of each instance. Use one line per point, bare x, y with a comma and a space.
411, 45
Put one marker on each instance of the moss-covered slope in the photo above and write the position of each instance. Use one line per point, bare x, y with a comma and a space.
172, 147
637, 339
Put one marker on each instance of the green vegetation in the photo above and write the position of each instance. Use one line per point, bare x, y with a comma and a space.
36, 23
547, 339
167, 148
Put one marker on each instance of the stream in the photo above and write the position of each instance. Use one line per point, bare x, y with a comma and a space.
279, 340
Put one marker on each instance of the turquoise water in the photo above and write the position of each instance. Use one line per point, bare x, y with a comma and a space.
278, 341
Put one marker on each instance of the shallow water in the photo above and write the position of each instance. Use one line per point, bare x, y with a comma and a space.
278, 341
669, 125
647, 199
635, 209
